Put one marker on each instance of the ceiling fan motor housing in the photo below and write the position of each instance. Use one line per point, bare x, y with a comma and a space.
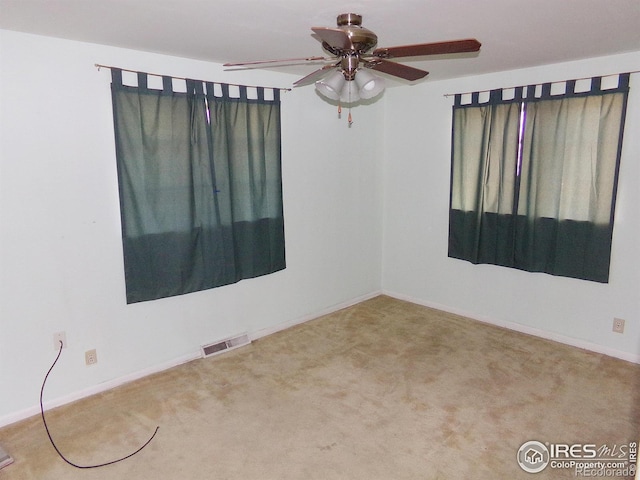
361, 39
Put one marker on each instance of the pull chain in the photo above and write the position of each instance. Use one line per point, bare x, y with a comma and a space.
349, 118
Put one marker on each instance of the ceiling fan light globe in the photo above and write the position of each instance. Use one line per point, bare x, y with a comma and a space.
331, 86
369, 85
349, 93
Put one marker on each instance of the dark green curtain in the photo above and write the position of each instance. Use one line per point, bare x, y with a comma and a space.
200, 186
534, 178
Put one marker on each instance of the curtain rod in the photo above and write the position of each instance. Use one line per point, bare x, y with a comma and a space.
99, 66
558, 81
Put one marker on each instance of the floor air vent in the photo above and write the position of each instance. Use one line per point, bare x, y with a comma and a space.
5, 458
225, 345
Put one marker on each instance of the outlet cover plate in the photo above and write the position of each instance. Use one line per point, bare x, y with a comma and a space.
618, 325
59, 337
91, 357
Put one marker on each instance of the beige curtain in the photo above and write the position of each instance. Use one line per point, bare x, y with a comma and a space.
534, 178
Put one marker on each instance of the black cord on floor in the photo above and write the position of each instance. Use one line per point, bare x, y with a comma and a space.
51, 439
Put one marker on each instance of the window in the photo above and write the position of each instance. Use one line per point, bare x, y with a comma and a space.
534, 175
200, 185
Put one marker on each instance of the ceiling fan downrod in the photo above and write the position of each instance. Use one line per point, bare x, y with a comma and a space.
349, 65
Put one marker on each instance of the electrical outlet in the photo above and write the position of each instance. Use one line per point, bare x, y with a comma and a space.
618, 325
59, 337
91, 357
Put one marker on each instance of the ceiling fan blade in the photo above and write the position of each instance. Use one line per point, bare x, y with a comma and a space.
397, 69
335, 37
438, 48
261, 62
313, 76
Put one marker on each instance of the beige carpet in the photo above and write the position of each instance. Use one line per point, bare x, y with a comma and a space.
382, 390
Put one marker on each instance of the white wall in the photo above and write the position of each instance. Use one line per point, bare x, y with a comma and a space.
60, 245
415, 263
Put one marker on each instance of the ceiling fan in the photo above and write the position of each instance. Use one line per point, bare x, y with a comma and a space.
347, 77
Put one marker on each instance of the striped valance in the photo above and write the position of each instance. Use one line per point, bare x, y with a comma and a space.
142, 81
546, 91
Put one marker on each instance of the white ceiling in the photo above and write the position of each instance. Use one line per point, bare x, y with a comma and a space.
514, 33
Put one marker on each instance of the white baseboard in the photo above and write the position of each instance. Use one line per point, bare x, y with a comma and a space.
334, 308
99, 388
116, 382
536, 332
